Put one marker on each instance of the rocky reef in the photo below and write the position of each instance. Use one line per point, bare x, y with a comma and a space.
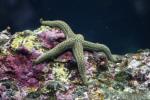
60, 78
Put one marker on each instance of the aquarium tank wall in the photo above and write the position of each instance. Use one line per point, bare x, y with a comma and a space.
74, 50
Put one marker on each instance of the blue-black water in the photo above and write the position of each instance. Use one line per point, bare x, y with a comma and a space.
123, 25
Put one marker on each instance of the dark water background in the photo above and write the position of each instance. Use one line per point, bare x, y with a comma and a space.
123, 25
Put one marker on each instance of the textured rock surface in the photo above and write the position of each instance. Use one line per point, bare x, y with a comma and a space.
60, 80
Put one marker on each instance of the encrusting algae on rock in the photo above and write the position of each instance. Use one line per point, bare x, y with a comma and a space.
62, 76
76, 43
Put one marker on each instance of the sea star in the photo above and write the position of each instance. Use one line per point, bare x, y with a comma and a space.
75, 42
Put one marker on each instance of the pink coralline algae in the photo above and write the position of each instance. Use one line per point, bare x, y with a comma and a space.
51, 37
21, 68
66, 95
67, 56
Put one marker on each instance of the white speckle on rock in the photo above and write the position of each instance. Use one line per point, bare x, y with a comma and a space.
144, 69
134, 64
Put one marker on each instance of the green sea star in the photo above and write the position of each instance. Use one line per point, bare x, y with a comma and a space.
75, 42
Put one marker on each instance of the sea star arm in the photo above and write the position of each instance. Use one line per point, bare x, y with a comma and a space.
99, 47
79, 56
54, 52
60, 24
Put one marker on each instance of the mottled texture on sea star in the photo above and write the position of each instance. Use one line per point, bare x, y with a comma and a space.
76, 43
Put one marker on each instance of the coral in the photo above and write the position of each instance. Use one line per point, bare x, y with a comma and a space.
75, 42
